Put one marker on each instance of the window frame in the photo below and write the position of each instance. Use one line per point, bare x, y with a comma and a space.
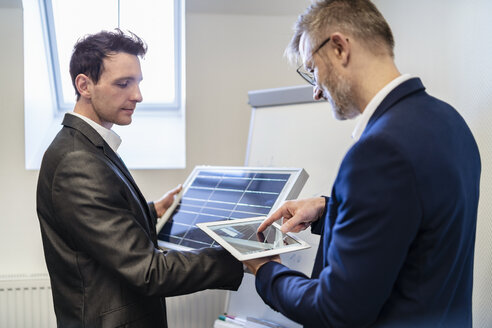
48, 20
156, 139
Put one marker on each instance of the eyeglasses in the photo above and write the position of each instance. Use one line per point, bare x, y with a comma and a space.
309, 76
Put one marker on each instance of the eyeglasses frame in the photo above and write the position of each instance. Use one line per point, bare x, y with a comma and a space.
307, 76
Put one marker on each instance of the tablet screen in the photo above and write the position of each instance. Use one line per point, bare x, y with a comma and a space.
240, 237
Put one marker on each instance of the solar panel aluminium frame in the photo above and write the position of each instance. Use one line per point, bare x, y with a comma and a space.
292, 188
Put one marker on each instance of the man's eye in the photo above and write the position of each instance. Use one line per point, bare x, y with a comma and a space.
122, 84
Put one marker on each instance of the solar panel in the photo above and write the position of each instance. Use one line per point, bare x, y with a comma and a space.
217, 193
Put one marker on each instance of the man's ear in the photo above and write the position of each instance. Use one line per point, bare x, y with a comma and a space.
84, 85
342, 47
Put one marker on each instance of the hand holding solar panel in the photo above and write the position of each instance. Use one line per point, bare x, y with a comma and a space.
166, 201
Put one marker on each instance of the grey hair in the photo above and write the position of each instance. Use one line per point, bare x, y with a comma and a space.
357, 18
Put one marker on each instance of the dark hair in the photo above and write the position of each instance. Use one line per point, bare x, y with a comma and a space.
359, 18
89, 52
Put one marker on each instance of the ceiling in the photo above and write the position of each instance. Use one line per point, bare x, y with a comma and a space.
10, 3
248, 7
235, 7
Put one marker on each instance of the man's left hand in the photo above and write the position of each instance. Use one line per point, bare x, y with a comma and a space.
254, 264
166, 201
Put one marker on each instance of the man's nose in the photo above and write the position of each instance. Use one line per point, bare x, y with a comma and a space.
137, 95
318, 93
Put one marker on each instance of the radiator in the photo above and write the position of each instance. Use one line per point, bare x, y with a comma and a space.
26, 302
198, 310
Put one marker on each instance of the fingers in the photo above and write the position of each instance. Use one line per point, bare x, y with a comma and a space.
254, 264
297, 215
277, 215
265, 224
291, 225
167, 200
176, 190
276, 258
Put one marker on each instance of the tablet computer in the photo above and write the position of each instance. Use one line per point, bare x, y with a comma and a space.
241, 239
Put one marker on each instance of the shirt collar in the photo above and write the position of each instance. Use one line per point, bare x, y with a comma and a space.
374, 104
111, 138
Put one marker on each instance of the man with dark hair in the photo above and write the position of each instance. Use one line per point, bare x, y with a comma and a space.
398, 231
98, 231
89, 52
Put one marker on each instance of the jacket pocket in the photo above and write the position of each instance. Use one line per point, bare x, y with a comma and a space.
139, 314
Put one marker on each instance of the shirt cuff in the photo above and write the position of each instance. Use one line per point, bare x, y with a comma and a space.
317, 226
153, 211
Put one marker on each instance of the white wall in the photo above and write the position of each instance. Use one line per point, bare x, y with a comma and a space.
227, 55
20, 241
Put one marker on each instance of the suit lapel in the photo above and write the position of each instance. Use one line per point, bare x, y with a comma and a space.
402, 91
91, 134
108, 151
119, 163
95, 138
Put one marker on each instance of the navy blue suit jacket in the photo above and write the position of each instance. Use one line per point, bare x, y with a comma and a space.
398, 236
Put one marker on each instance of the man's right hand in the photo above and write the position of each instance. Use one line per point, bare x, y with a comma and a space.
297, 214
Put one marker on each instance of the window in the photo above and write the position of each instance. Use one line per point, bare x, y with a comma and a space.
51, 28
69, 20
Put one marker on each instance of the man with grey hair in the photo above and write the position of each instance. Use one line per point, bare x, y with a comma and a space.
398, 230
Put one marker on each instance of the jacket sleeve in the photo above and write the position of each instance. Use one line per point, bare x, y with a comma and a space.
317, 226
366, 239
98, 217
153, 212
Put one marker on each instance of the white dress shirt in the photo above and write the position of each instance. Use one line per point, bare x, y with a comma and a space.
374, 103
111, 138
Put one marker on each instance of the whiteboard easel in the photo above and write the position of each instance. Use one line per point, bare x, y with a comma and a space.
288, 129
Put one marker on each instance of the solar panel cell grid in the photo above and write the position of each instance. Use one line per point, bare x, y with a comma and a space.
218, 195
